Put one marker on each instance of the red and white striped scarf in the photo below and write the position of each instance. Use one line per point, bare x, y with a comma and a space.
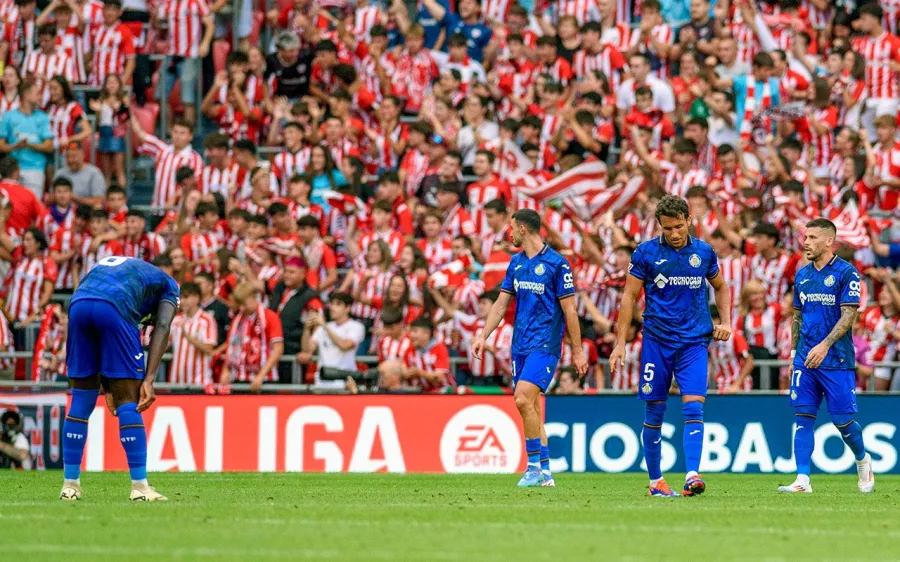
750, 108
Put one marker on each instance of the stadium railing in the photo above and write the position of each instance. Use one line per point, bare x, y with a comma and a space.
768, 377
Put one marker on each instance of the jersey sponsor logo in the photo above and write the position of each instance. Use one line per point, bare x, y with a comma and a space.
821, 298
481, 438
694, 260
829, 281
539, 269
537, 288
854, 289
681, 281
569, 281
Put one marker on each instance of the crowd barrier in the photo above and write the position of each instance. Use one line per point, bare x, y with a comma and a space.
447, 434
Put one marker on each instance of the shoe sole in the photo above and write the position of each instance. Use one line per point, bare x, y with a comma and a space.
548, 484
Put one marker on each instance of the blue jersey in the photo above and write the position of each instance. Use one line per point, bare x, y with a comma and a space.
133, 286
538, 284
677, 304
819, 295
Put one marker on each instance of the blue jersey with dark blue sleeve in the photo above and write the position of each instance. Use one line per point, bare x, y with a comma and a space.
677, 305
133, 286
538, 284
819, 296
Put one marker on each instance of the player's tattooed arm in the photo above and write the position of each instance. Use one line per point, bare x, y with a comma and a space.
844, 324
795, 329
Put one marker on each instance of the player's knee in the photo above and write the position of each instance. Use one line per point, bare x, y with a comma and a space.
842, 420
125, 391
654, 412
692, 411
524, 402
806, 411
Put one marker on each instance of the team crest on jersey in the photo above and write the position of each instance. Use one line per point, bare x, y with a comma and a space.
646, 388
694, 260
793, 395
829, 281
539, 269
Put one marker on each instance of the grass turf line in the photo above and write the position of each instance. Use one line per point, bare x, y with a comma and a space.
332, 517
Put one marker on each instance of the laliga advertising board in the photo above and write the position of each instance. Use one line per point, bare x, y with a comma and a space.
319, 434
472, 434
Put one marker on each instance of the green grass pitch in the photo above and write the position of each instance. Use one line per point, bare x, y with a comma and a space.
327, 517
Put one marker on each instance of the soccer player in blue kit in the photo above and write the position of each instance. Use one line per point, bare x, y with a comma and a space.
826, 299
541, 281
103, 347
671, 270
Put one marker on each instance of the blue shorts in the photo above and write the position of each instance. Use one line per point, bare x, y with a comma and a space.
660, 361
838, 386
100, 341
536, 367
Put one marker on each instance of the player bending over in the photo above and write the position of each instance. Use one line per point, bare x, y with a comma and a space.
677, 327
104, 347
541, 280
826, 299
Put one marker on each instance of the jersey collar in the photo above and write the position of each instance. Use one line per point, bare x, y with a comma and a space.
831, 262
663, 242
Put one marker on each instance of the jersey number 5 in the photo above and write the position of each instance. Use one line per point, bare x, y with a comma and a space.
112, 261
648, 372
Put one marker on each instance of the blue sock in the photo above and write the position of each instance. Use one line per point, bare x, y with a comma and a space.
134, 440
75, 431
652, 437
693, 435
533, 450
852, 434
545, 459
804, 439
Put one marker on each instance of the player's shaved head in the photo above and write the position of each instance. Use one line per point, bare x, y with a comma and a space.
824, 224
529, 219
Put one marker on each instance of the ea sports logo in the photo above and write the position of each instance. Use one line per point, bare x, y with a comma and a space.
481, 439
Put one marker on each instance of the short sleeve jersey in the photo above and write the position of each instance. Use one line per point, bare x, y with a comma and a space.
538, 284
677, 299
134, 286
819, 296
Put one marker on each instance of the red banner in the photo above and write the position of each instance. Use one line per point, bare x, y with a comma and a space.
319, 434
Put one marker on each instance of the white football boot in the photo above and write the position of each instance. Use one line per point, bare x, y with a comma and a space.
145, 493
866, 481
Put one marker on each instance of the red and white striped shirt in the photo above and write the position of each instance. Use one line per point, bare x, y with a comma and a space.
375, 286
7, 104
24, 284
495, 10
760, 327
491, 364
286, 164
587, 347
583, 10
250, 341
167, 162
880, 53
775, 274
433, 359
887, 165
629, 374
609, 60
394, 240
64, 118
458, 222
735, 271
21, 37
185, 19
728, 359
483, 192
661, 33
393, 349
224, 180
89, 259
677, 183
190, 365
42, 67
111, 46
437, 253
202, 245
65, 241
147, 247
880, 332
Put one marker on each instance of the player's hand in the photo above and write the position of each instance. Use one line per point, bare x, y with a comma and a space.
148, 396
580, 362
256, 384
816, 355
478, 347
722, 332
616, 358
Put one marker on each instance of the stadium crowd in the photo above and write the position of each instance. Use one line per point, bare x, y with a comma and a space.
352, 195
